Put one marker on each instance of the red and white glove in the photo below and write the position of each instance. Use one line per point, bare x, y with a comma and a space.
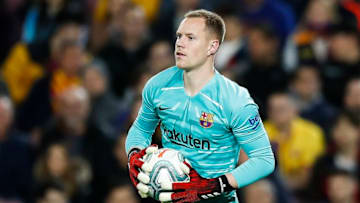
198, 188
138, 178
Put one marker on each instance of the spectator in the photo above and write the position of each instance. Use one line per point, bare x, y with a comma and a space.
232, 53
24, 66
261, 191
56, 165
276, 14
297, 142
37, 109
341, 186
16, 157
344, 154
107, 21
161, 56
343, 63
45, 16
170, 16
125, 53
67, 32
122, 192
312, 31
130, 102
305, 90
105, 107
52, 193
70, 126
352, 96
264, 65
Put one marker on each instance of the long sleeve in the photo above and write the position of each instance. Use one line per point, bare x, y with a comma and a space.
141, 131
252, 137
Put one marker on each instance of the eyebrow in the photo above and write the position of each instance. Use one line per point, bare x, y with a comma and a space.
187, 34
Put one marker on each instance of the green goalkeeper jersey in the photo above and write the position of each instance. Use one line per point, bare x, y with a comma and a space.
209, 128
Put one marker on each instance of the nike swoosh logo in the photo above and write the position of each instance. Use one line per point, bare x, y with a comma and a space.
163, 108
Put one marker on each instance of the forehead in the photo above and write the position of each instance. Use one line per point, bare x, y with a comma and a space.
279, 100
193, 25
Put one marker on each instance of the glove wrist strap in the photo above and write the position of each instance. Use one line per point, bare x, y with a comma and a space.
133, 151
224, 184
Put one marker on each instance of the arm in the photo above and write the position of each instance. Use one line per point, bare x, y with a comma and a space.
251, 135
139, 138
139, 135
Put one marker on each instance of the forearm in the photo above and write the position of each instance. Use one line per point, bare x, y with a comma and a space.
259, 165
140, 134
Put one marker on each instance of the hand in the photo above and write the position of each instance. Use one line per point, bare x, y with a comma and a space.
135, 163
198, 188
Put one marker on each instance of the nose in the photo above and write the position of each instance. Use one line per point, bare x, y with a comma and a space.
180, 42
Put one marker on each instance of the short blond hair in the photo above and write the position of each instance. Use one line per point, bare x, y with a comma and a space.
212, 21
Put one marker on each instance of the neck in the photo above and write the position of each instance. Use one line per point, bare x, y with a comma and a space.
284, 129
195, 79
131, 43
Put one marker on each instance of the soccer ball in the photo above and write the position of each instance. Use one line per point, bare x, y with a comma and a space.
164, 165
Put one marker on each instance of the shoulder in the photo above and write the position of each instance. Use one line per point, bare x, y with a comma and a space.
165, 78
308, 126
235, 95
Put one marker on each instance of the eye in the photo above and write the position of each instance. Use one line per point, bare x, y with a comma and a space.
178, 36
191, 38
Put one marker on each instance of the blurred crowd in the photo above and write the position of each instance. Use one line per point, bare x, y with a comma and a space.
72, 72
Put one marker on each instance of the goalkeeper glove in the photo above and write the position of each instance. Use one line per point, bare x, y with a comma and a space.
135, 163
198, 188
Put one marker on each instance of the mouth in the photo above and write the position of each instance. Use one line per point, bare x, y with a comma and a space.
179, 54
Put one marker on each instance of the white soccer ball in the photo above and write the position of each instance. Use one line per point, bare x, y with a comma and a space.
164, 166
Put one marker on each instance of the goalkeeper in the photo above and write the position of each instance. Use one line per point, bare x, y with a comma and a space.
205, 116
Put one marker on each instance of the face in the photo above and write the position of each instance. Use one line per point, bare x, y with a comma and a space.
193, 44
72, 60
259, 192
307, 83
161, 56
54, 196
73, 107
134, 24
122, 194
344, 47
57, 161
341, 188
352, 96
94, 82
319, 12
345, 134
6, 114
115, 7
67, 32
281, 110
259, 46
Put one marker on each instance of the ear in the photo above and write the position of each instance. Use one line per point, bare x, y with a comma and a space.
213, 47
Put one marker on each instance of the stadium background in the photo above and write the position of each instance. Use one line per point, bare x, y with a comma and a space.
72, 72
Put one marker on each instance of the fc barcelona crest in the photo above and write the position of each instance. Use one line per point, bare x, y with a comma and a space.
206, 120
